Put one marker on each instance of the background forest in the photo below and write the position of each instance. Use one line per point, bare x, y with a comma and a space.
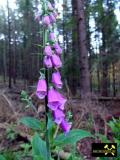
88, 31
96, 71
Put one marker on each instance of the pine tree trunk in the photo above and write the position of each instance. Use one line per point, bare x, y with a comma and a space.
14, 56
83, 53
98, 78
74, 49
9, 46
113, 77
104, 85
4, 63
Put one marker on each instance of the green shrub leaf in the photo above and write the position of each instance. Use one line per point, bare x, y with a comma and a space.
39, 147
31, 123
2, 158
72, 137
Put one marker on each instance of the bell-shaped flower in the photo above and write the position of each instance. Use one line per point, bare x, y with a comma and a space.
47, 62
50, 7
48, 50
65, 126
41, 91
58, 116
46, 20
56, 80
57, 48
53, 99
51, 36
56, 61
52, 18
62, 101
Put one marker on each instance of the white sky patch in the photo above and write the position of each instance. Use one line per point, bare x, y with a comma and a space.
59, 3
117, 12
3, 3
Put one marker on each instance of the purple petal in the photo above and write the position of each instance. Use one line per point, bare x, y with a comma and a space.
48, 50
41, 89
56, 61
52, 18
57, 48
52, 36
58, 116
53, 99
65, 126
55, 14
62, 101
46, 20
56, 79
50, 7
47, 62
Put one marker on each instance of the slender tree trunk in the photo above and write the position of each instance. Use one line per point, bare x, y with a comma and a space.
9, 46
74, 49
89, 46
14, 56
4, 63
104, 85
83, 52
113, 77
64, 36
98, 78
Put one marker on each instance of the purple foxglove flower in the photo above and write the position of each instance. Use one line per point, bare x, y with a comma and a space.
52, 18
47, 62
56, 79
62, 101
46, 20
50, 7
55, 14
58, 116
52, 36
48, 51
57, 48
56, 61
65, 126
41, 91
53, 99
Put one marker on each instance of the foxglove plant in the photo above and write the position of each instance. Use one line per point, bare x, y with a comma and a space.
55, 102
48, 89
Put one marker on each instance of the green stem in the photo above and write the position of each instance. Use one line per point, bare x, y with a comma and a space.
47, 111
46, 98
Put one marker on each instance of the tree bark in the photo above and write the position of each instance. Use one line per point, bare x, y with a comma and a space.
9, 46
113, 77
14, 55
104, 85
83, 52
74, 78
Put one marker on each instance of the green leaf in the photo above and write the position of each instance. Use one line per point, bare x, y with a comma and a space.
50, 123
24, 94
51, 127
74, 158
2, 158
31, 122
39, 147
72, 137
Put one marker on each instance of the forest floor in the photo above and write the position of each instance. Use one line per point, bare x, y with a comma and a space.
91, 115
